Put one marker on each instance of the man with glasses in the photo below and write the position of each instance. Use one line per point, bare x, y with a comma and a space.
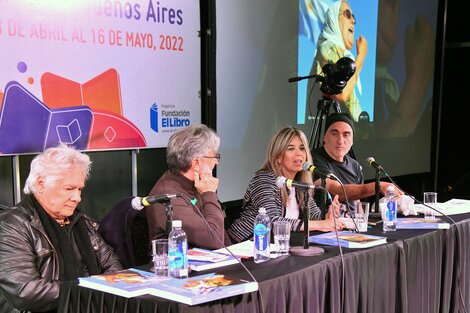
191, 157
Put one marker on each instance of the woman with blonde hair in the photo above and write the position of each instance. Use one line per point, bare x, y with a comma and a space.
285, 155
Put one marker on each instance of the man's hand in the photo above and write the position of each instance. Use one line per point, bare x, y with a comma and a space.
205, 182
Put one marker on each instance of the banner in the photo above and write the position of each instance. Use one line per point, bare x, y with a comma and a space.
97, 74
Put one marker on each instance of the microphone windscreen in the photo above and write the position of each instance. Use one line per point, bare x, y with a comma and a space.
280, 182
306, 166
370, 160
137, 204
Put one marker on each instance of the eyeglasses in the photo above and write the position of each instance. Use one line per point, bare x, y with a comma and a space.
216, 156
348, 14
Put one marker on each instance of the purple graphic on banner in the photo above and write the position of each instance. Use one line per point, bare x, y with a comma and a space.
28, 125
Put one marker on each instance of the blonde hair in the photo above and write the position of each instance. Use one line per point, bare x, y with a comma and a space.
277, 147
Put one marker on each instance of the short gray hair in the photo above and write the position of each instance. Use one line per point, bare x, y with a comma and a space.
188, 143
53, 164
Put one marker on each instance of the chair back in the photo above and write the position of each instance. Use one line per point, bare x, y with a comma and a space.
125, 230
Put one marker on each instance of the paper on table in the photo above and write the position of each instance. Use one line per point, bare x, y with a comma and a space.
245, 249
451, 207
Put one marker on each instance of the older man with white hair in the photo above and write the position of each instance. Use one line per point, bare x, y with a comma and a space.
45, 239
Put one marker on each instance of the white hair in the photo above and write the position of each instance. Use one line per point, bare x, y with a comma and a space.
53, 164
188, 143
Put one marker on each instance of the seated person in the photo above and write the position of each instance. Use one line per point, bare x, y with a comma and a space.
46, 240
333, 158
285, 155
191, 157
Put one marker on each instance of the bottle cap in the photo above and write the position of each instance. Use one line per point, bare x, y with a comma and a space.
262, 210
176, 223
391, 188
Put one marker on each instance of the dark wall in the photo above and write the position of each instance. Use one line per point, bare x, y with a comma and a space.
453, 171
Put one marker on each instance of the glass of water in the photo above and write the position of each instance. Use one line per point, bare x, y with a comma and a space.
160, 257
361, 215
281, 237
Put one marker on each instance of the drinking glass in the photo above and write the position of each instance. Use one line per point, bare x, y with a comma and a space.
362, 215
429, 199
282, 237
160, 256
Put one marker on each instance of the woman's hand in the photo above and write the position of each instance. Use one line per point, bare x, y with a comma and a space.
334, 208
331, 222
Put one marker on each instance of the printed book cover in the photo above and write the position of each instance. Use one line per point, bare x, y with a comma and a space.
348, 239
201, 259
126, 283
421, 223
198, 254
201, 289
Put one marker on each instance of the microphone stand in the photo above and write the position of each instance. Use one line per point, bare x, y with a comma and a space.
377, 190
323, 196
169, 216
306, 250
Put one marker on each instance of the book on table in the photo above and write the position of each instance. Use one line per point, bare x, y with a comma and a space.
201, 259
347, 239
194, 290
126, 283
421, 223
201, 289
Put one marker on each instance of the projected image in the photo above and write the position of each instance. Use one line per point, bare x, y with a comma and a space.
405, 67
329, 31
393, 49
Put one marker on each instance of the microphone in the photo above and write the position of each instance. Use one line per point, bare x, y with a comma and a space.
297, 78
377, 166
307, 166
139, 203
281, 181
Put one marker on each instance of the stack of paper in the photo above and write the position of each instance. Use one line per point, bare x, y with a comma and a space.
451, 207
245, 249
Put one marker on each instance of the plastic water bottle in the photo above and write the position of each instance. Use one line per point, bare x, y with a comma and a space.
390, 221
177, 251
262, 236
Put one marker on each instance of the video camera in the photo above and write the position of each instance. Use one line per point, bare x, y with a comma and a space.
335, 76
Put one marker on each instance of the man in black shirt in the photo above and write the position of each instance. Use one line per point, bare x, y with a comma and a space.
333, 158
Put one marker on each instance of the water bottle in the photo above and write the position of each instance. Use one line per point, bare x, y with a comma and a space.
262, 236
177, 251
390, 221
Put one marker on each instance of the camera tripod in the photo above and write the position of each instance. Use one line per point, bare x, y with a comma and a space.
323, 108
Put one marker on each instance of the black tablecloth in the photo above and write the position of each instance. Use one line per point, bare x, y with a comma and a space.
416, 271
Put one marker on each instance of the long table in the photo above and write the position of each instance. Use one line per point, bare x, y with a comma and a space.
416, 271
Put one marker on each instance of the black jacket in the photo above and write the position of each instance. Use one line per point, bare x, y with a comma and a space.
29, 265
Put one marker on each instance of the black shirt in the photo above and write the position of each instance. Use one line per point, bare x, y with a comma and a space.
348, 172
